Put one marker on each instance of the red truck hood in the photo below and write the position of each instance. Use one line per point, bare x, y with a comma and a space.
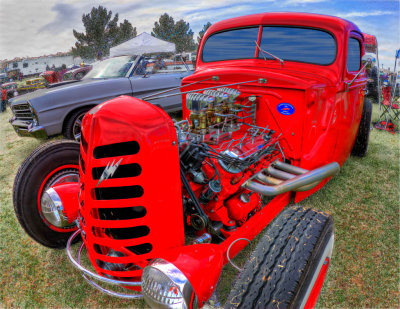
285, 77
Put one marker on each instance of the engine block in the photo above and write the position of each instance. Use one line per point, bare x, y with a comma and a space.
220, 149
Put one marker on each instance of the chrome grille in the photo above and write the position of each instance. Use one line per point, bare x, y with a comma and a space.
22, 112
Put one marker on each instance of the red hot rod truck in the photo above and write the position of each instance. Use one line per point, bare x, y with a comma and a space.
275, 107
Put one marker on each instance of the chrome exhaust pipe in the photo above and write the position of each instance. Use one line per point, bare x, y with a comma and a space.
278, 173
288, 168
301, 182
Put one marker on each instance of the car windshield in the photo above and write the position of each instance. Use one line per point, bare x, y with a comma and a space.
287, 43
111, 68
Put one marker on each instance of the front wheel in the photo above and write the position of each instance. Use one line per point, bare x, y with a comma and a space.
50, 164
288, 266
73, 126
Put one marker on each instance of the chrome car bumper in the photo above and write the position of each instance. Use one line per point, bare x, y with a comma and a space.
26, 128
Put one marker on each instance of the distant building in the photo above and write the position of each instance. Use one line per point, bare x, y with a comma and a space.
37, 65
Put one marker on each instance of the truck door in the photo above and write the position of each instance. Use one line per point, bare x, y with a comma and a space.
353, 97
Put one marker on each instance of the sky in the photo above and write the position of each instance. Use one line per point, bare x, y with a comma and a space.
39, 27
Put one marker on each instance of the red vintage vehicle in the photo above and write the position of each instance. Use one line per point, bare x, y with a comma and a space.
275, 107
50, 76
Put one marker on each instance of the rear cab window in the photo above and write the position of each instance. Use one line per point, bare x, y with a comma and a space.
353, 55
231, 45
297, 44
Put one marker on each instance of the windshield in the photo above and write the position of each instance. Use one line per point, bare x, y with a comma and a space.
111, 68
287, 43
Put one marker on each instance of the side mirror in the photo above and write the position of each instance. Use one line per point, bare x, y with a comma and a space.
368, 59
348, 84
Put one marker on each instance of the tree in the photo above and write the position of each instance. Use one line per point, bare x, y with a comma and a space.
179, 33
164, 29
202, 31
101, 33
126, 32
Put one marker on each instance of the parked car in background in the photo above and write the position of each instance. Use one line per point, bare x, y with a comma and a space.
31, 85
60, 109
12, 89
3, 78
77, 73
50, 76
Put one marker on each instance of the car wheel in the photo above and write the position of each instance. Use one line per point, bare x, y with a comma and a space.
72, 129
288, 266
50, 164
360, 147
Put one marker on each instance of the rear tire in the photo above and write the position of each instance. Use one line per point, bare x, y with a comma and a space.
360, 147
282, 270
39, 169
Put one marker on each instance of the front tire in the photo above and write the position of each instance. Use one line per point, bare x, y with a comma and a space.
51, 163
72, 129
287, 268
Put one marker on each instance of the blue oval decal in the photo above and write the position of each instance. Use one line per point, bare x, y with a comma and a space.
285, 108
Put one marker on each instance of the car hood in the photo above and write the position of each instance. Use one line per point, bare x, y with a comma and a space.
90, 90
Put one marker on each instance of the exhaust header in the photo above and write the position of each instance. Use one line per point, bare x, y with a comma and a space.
283, 177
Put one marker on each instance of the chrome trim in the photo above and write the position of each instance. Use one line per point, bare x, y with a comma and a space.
88, 272
229, 248
100, 288
175, 276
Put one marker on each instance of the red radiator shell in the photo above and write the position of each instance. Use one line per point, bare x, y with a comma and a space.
126, 119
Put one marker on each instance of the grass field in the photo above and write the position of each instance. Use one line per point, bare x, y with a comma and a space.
363, 199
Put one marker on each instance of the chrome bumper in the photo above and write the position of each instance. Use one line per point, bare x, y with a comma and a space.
87, 273
26, 128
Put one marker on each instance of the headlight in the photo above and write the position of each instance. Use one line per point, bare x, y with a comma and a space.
165, 286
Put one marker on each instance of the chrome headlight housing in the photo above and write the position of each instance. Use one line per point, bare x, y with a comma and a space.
34, 114
165, 286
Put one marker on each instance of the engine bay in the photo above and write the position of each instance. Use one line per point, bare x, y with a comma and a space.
220, 149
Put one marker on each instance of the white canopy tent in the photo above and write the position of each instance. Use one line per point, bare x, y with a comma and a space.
144, 43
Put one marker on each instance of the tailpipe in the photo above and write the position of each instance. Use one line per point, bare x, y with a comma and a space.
283, 177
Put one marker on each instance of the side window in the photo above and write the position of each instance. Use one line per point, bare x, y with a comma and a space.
25, 64
353, 55
159, 64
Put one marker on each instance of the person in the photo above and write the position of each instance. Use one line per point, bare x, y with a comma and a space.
3, 99
62, 72
159, 64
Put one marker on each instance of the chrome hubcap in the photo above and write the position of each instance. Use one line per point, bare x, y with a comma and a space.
77, 127
51, 204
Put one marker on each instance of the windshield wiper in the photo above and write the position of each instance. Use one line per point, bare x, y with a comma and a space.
269, 54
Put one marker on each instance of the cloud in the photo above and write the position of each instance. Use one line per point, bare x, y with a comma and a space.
365, 14
66, 16
303, 1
